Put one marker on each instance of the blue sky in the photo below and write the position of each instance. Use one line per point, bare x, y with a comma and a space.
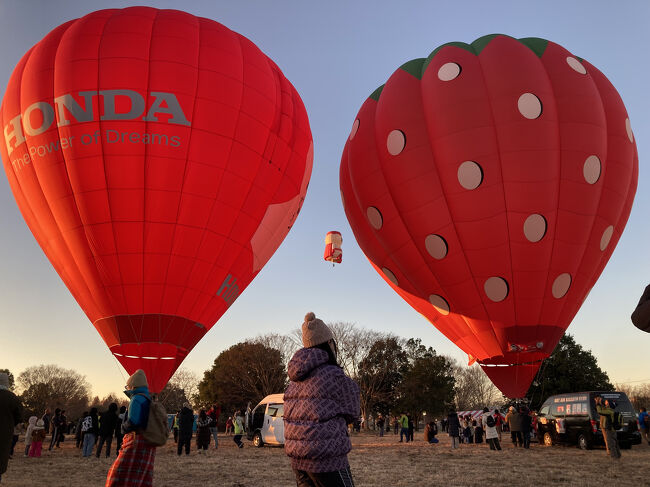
336, 53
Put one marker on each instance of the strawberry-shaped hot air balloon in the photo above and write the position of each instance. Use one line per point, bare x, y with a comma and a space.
489, 184
159, 159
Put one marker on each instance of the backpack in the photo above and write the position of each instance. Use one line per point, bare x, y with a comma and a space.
491, 423
87, 423
156, 431
618, 420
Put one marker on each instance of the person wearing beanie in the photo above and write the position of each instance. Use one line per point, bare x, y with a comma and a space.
319, 403
10, 416
135, 461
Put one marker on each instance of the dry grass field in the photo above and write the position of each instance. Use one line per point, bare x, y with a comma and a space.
375, 462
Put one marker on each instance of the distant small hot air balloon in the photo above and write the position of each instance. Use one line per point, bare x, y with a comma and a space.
333, 252
159, 159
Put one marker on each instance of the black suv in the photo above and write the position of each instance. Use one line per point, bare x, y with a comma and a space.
572, 418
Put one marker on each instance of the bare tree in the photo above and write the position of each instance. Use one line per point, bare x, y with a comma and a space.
51, 386
474, 389
353, 344
639, 395
186, 381
285, 344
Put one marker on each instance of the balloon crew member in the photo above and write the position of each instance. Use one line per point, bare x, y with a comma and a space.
319, 403
606, 411
10, 416
134, 464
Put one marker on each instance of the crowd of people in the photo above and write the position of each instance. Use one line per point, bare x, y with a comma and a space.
321, 409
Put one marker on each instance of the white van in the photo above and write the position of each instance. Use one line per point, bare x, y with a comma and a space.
266, 422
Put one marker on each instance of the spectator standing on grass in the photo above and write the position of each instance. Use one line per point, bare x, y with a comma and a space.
526, 425
499, 420
214, 412
203, 433
134, 464
119, 436
38, 437
79, 434
107, 424
185, 427
404, 427
90, 427
318, 404
514, 420
411, 427
10, 415
47, 419
453, 429
56, 428
175, 426
380, 424
238, 426
606, 412
644, 424
490, 424
229, 426
31, 424
478, 431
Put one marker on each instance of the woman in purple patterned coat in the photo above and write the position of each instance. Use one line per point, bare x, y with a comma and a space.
318, 405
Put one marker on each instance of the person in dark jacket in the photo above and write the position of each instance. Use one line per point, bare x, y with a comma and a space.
79, 433
57, 424
214, 412
107, 429
526, 423
90, 428
185, 425
10, 416
203, 433
319, 403
453, 429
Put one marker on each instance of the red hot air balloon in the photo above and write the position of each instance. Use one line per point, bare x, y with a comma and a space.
333, 252
489, 184
159, 159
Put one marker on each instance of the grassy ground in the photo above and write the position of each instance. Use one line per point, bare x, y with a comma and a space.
374, 461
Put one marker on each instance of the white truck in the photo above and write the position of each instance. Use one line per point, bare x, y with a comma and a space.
266, 423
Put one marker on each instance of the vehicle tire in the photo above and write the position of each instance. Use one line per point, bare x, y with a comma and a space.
584, 443
548, 440
257, 440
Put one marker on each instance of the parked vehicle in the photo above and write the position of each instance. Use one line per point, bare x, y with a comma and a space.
266, 422
572, 418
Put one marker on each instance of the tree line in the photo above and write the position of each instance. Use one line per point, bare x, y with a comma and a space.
394, 374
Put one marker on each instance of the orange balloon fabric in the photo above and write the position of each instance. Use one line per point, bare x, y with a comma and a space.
488, 184
159, 159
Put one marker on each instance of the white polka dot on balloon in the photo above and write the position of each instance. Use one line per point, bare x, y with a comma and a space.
535, 227
374, 217
529, 106
389, 274
496, 289
470, 175
448, 71
606, 237
561, 285
436, 246
591, 169
576, 65
439, 303
355, 128
395, 142
628, 129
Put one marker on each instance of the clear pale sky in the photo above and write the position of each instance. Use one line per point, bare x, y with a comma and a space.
336, 53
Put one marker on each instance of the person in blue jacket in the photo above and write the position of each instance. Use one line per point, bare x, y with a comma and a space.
134, 464
644, 424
